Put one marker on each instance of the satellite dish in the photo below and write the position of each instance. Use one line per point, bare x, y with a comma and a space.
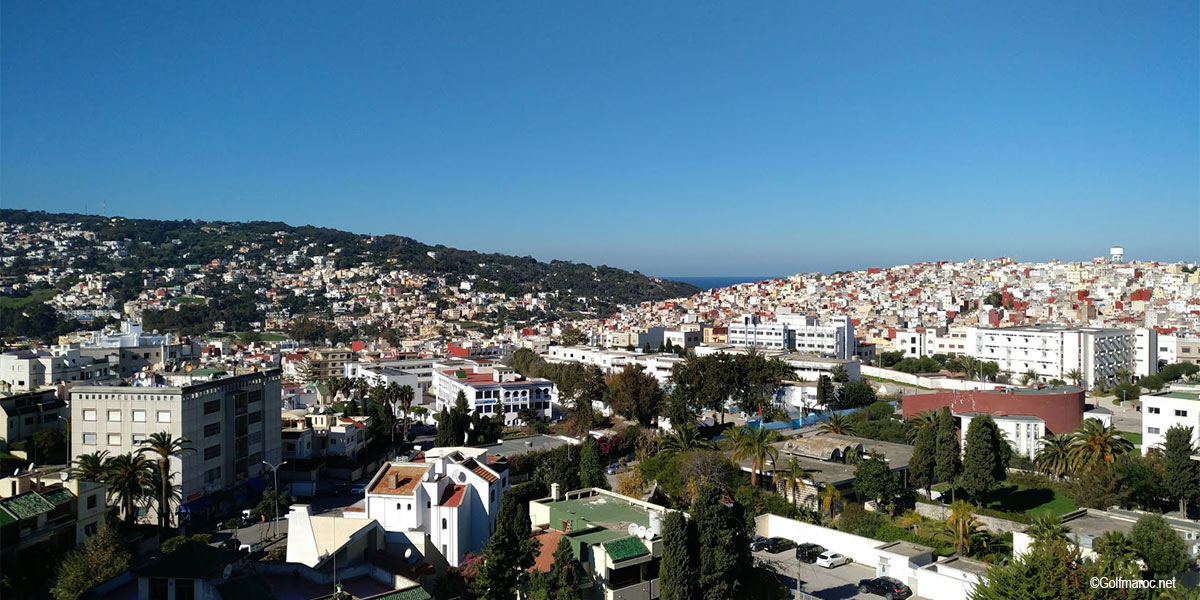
227, 572
633, 529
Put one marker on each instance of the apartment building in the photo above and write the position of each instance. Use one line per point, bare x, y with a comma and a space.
1053, 351
330, 362
420, 368
684, 338
613, 361
444, 503
617, 540
322, 432
27, 370
1180, 405
24, 413
831, 337
495, 390
47, 507
135, 350
233, 423
752, 331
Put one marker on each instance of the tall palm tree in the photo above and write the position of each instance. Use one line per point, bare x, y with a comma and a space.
754, 444
928, 418
164, 448
829, 498
1096, 443
1029, 376
1054, 457
684, 438
362, 387
1076, 376
962, 526
91, 467
130, 480
1047, 529
1116, 551
838, 423
334, 386
792, 478
405, 395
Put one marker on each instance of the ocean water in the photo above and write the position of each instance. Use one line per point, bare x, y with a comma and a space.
708, 283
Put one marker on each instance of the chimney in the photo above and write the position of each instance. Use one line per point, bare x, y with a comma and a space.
554, 492
395, 480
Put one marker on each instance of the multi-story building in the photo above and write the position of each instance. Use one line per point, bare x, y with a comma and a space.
752, 331
1052, 352
444, 503
831, 337
1180, 405
47, 507
322, 433
495, 391
323, 364
617, 540
27, 370
684, 338
233, 424
135, 350
24, 413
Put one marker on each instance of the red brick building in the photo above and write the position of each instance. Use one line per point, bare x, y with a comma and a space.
1060, 407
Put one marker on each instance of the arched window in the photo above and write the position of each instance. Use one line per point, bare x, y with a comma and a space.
443, 523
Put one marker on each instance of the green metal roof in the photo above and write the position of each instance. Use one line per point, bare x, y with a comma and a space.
413, 593
625, 548
27, 505
6, 518
1182, 395
58, 496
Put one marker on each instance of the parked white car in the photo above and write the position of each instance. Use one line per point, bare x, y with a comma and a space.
830, 560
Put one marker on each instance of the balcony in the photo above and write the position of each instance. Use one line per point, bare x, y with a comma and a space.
637, 591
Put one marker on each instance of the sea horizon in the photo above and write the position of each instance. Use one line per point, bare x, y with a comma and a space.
709, 282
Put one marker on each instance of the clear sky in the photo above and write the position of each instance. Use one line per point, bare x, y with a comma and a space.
690, 138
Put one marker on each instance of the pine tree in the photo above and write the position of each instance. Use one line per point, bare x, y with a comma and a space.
922, 465
1182, 474
948, 460
724, 550
566, 572
101, 557
591, 465
826, 393
983, 462
678, 571
509, 552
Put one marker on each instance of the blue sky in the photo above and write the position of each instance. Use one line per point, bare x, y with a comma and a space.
691, 138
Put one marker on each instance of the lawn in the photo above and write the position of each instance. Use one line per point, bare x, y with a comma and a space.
1029, 500
37, 297
190, 300
1136, 438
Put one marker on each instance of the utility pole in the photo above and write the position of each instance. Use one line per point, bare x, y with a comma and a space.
275, 470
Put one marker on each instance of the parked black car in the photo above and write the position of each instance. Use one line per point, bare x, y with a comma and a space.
776, 545
757, 543
808, 552
888, 587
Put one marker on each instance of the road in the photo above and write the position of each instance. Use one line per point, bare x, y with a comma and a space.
1126, 417
839, 583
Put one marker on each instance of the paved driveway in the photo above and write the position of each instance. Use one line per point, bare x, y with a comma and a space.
839, 583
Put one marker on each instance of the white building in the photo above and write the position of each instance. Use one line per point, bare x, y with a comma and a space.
833, 337
683, 338
28, 370
446, 505
1023, 432
752, 331
233, 424
495, 391
1052, 351
1164, 410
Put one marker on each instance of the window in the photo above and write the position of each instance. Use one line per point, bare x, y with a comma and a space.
1181, 413
159, 588
212, 452
1151, 430
443, 523
114, 415
114, 439
139, 416
91, 501
90, 529
1154, 410
164, 416
89, 414
212, 406
138, 438
255, 417
212, 429
89, 438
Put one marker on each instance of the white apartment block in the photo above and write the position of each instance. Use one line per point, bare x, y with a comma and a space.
752, 331
495, 391
28, 370
445, 503
613, 361
1023, 432
421, 368
1162, 411
684, 338
308, 434
233, 424
1053, 351
833, 337
911, 344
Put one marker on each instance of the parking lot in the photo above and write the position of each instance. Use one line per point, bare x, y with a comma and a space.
839, 583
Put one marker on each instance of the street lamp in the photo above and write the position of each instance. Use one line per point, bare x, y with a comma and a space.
275, 470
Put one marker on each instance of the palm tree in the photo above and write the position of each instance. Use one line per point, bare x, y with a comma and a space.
792, 478
362, 387
1054, 456
1095, 443
928, 418
164, 448
962, 526
829, 498
130, 480
684, 438
1047, 529
852, 456
1075, 375
334, 385
837, 423
1116, 551
91, 467
1028, 377
419, 412
406, 395
754, 444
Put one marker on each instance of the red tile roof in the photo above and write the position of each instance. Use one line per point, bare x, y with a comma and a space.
453, 495
400, 480
545, 558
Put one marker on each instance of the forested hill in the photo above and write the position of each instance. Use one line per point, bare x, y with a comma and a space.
162, 244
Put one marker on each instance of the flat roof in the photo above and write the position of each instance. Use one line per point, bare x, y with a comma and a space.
961, 563
607, 511
836, 473
904, 548
521, 445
